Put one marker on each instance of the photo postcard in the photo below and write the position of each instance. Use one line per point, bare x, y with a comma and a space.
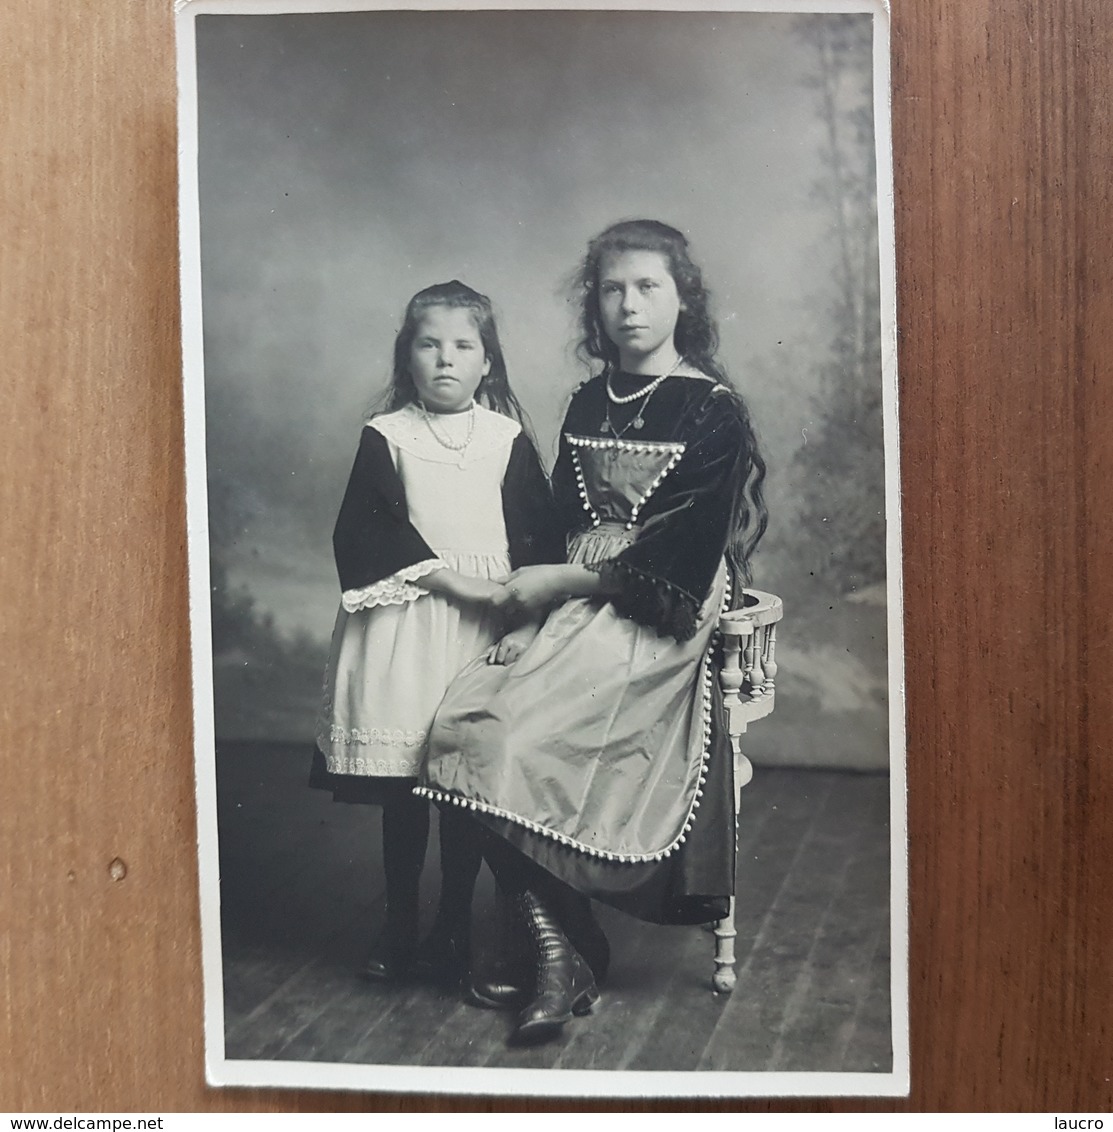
542, 475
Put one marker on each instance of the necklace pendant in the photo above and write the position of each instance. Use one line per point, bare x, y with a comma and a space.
638, 422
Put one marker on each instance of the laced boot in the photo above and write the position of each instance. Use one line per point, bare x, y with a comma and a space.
507, 987
564, 983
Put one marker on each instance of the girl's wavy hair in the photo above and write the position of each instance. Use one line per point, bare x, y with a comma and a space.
696, 339
494, 390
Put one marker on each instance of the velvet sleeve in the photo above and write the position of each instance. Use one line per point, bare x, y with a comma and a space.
533, 530
663, 578
374, 537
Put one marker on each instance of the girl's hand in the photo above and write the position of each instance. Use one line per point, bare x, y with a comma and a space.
532, 590
472, 591
513, 644
479, 591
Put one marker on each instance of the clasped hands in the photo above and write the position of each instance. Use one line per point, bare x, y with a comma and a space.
521, 603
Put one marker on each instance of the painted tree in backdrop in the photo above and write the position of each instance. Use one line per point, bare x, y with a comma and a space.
840, 470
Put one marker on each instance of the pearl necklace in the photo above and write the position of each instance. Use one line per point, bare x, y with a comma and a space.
637, 421
451, 445
647, 392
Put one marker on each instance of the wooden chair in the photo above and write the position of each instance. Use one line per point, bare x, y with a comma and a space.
748, 679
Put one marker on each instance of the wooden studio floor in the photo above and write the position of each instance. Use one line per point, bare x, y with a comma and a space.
302, 896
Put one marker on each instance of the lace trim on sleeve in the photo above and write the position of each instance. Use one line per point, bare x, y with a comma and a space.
650, 601
395, 590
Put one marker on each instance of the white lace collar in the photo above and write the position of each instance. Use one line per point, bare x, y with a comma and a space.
407, 429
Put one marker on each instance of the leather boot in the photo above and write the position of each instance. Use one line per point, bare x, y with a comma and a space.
508, 986
505, 988
444, 955
392, 955
564, 983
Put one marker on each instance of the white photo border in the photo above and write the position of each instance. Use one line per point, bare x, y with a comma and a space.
221, 1071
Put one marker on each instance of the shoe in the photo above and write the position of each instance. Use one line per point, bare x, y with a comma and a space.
564, 986
504, 989
444, 957
393, 953
388, 964
492, 995
507, 988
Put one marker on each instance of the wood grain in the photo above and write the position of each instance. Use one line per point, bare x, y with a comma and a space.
302, 888
1003, 135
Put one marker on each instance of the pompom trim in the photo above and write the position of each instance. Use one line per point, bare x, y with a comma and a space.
706, 677
675, 451
673, 612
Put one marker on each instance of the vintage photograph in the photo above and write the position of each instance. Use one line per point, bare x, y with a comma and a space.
544, 547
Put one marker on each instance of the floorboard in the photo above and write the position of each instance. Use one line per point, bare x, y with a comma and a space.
774, 980
302, 899
682, 1019
869, 1049
819, 1010
312, 991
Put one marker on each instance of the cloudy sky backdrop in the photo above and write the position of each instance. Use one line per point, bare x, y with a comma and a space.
348, 160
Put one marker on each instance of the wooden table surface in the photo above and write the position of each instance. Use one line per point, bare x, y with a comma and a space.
1003, 149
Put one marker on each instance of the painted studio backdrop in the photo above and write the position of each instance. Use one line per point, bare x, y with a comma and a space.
347, 160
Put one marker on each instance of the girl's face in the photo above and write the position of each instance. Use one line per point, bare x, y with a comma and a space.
639, 305
447, 359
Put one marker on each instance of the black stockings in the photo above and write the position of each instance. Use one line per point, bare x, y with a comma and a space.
405, 837
464, 845
461, 856
514, 871
517, 874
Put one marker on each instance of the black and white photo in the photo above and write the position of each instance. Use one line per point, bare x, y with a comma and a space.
544, 547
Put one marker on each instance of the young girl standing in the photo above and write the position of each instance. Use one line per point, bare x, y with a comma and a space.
597, 763
445, 498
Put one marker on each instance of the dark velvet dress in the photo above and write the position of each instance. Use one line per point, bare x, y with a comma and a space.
601, 753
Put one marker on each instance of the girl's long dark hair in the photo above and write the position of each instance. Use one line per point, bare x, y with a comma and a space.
696, 339
494, 390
